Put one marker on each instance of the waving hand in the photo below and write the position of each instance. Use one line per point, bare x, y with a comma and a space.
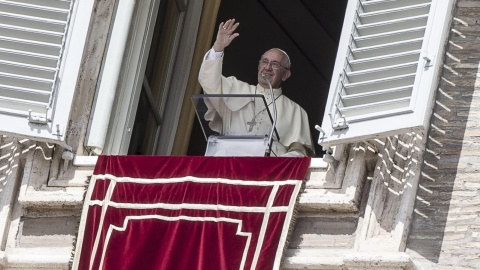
226, 33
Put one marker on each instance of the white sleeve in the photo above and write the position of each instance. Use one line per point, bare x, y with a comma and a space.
212, 54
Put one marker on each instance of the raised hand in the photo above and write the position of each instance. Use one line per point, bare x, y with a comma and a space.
225, 35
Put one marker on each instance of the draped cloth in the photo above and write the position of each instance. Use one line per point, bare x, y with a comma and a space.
154, 212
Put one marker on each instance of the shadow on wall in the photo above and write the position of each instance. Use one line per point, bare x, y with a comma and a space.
445, 214
11, 150
13, 155
398, 160
12, 162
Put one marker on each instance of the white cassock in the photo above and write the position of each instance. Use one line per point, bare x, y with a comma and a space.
244, 116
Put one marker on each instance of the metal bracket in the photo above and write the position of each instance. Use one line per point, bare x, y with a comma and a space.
328, 156
340, 123
58, 131
67, 156
322, 132
37, 118
428, 62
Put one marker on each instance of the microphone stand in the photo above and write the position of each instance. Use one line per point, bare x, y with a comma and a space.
270, 137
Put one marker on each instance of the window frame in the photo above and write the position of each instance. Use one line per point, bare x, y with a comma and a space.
131, 79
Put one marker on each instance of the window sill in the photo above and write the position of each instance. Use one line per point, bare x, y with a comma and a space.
323, 192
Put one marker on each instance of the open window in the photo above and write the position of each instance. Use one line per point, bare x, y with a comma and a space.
308, 30
157, 81
41, 48
155, 67
380, 81
387, 69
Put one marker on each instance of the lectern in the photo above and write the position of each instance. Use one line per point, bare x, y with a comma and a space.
235, 125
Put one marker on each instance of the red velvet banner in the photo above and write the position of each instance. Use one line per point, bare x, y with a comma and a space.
154, 212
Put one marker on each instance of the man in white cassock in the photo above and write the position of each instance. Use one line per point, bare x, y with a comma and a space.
246, 116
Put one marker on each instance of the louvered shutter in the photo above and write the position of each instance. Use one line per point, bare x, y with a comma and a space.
41, 46
387, 69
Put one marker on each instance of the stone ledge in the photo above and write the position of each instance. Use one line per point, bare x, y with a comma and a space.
72, 198
38, 258
316, 177
65, 198
319, 200
70, 193
343, 259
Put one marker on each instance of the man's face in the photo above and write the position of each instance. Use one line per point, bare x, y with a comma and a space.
275, 76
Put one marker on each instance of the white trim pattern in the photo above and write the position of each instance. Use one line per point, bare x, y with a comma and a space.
269, 208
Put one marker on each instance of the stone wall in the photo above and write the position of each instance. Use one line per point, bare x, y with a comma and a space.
445, 231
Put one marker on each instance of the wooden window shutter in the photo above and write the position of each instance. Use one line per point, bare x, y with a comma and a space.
387, 69
41, 47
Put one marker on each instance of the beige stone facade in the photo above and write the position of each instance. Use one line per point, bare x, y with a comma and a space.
404, 202
445, 221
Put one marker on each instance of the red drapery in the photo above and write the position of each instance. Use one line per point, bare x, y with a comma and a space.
154, 212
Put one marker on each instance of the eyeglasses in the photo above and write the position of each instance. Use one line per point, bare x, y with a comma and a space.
274, 64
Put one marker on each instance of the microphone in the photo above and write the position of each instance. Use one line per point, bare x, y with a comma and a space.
270, 137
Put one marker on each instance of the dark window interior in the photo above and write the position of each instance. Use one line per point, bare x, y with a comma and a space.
308, 30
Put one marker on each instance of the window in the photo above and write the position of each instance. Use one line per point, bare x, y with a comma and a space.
154, 70
157, 80
384, 75
41, 48
387, 69
308, 30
